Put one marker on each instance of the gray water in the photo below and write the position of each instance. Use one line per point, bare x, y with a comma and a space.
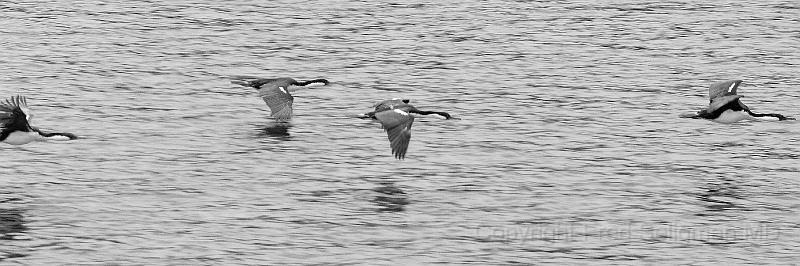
569, 150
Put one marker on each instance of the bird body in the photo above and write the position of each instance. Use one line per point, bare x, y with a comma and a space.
15, 128
725, 106
275, 92
21, 137
390, 104
731, 116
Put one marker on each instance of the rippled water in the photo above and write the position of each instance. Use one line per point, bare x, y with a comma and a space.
569, 152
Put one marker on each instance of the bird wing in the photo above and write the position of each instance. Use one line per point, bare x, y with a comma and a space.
722, 93
725, 88
718, 102
278, 99
397, 124
13, 112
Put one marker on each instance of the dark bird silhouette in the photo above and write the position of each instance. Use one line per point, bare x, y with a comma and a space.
15, 127
725, 105
275, 92
396, 117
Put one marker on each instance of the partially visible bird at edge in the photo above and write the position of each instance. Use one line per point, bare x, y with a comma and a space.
725, 106
15, 124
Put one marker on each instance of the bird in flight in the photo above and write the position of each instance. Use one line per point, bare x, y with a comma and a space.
275, 92
396, 117
15, 127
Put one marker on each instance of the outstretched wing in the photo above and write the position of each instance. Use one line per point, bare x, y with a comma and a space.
397, 124
278, 99
14, 113
722, 93
725, 88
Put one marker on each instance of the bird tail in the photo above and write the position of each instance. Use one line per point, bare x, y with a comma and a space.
370, 115
693, 114
242, 80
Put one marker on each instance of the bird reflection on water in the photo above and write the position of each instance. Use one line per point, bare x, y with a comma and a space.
390, 198
277, 129
721, 196
12, 225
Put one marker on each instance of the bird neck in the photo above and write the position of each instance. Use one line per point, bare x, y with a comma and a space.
778, 116
443, 114
56, 135
323, 81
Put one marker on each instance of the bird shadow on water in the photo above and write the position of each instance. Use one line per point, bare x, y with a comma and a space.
12, 225
389, 198
276, 129
720, 196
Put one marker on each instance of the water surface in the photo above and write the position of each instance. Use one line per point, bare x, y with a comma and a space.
569, 150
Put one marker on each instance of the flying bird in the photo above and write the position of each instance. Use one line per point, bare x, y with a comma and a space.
275, 92
396, 117
15, 127
725, 105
